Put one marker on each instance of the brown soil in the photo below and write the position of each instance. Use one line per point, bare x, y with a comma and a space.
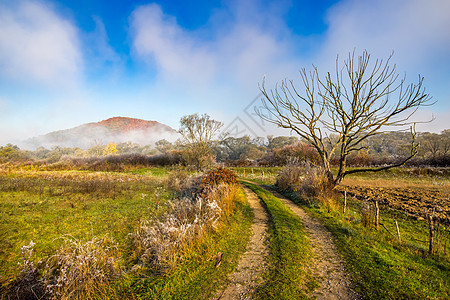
416, 201
327, 267
252, 265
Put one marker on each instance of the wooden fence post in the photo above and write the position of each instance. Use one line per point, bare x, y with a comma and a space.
398, 231
377, 215
438, 237
345, 202
431, 231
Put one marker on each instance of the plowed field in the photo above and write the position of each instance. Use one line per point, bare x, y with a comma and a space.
416, 201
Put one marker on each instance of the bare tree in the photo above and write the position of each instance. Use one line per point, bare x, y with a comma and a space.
356, 102
200, 137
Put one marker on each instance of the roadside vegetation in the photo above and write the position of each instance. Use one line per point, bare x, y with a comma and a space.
89, 235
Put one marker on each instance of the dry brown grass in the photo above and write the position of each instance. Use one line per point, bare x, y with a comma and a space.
88, 269
394, 183
28, 283
82, 269
309, 183
78, 270
398, 182
160, 244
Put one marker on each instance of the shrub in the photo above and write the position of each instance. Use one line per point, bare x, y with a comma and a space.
290, 178
159, 244
195, 159
116, 162
218, 176
298, 152
308, 183
12, 153
183, 184
315, 182
78, 270
82, 270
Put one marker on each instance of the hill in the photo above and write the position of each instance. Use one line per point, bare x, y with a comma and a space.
117, 129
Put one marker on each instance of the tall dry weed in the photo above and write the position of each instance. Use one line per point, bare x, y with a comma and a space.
78, 270
82, 269
291, 178
367, 214
309, 183
160, 244
28, 284
182, 183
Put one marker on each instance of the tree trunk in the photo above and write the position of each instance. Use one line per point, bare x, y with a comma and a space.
338, 180
342, 166
328, 173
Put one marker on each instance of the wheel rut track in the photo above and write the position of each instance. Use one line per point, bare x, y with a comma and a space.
327, 266
253, 263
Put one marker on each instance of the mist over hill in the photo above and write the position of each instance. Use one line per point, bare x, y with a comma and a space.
117, 129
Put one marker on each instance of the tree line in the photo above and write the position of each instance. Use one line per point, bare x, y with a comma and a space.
384, 148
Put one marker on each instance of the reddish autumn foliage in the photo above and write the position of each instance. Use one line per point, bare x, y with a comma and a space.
122, 124
217, 176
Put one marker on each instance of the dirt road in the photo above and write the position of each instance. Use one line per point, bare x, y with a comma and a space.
327, 267
253, 263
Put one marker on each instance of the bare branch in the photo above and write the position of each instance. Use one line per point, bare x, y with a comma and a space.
357, 102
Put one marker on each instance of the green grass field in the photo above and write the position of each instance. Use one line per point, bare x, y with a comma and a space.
50, 208
46, 206
383, 266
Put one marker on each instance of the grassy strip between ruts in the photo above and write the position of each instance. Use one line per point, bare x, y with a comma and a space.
289, 276
381, 266
197, 277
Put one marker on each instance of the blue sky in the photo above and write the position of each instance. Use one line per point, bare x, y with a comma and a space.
64, 63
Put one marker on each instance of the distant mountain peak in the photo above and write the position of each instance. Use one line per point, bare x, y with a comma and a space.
124, 124
116, 129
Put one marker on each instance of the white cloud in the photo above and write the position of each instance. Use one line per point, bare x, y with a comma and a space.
37, 45
176, 53
417, 30
99, 51
229, 61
